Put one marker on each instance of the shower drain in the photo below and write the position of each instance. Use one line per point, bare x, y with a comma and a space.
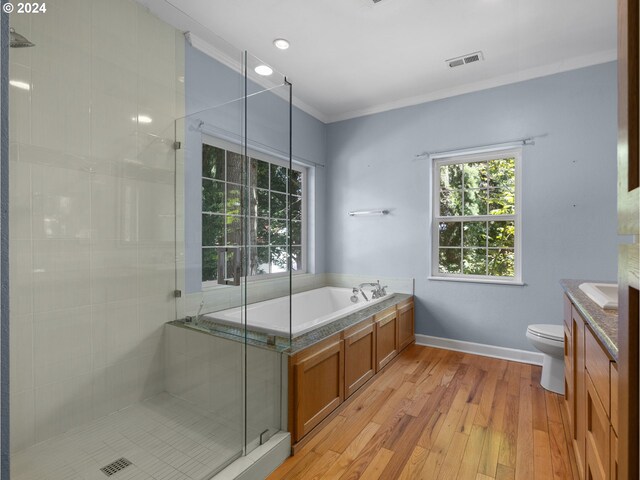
115, 467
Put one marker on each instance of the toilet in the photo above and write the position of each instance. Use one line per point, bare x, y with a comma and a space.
549, 339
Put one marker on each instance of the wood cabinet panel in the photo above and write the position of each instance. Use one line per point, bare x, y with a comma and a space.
319, 386
591, 396
597, 364
406, 326
567, 312
614, 396
324, 375
579, 404
628, 118
597, 435
613, 457
359, 358
568, 377
386, 337
629, 223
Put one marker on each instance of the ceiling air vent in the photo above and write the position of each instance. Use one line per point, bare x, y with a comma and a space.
465, 59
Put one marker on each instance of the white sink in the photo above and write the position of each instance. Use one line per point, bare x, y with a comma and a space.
604, 294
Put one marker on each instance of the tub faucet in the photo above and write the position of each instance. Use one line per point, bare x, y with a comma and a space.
377, 291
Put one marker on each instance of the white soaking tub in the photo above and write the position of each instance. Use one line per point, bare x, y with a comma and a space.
310, 310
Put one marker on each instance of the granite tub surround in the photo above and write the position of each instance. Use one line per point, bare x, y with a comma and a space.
603, 322
306, 340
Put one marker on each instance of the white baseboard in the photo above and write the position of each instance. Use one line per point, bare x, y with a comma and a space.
512, 354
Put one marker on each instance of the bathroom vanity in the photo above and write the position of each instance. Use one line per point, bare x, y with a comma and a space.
326, 374
591, 383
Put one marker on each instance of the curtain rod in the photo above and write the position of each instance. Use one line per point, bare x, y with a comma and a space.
480, 148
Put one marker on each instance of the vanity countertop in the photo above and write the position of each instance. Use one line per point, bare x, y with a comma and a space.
604, 323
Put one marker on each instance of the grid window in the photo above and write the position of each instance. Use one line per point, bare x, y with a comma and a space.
275, 214
476, 212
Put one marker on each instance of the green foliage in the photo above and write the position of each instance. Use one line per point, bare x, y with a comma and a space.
225, 209
209, 264
213, 162
474, 189
450, 260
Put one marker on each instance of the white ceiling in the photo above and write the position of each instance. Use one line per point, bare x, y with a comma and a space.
352, 57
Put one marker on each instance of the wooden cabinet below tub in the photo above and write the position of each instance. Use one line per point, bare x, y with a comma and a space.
386, 336
318, 384
406, 327
359, 356
325, 376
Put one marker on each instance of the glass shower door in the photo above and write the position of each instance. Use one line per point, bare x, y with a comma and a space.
268, 251
231, 227
205, 370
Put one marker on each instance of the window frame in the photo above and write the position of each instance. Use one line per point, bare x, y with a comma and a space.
436, 218
265, 157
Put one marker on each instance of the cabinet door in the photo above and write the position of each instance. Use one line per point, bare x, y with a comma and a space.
359, 358
406, 327
568, 378
614, 396
319, 386
613, 459
597, 435
579, 391
386, 337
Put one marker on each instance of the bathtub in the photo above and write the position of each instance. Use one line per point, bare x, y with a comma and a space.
310, 310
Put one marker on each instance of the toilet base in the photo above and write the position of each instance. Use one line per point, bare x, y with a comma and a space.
553, 374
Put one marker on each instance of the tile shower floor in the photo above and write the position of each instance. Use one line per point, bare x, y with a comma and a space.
164, 438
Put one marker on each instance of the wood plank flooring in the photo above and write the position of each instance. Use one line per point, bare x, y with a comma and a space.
437, 414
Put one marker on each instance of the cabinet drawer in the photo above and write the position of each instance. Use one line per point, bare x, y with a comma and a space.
614, 396
597, 435
567, 312
597, 364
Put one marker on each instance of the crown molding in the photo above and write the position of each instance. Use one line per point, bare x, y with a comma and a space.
521, 76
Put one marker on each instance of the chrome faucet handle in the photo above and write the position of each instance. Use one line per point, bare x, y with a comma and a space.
383, 291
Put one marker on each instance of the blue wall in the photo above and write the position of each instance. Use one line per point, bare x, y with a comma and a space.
568, 198
214, 96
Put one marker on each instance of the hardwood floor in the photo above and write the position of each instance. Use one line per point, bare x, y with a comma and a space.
437, 414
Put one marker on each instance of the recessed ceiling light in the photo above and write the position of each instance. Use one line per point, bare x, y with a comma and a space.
19, 84
264, 70
281, 43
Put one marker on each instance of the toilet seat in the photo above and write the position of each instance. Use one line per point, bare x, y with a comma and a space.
548, 332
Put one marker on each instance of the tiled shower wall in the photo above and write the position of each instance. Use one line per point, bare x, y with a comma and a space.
91, 211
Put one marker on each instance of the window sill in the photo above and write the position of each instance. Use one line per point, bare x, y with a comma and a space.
478, 280
255, 279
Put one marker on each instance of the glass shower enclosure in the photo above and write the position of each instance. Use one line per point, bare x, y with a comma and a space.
235, 200
151, 188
